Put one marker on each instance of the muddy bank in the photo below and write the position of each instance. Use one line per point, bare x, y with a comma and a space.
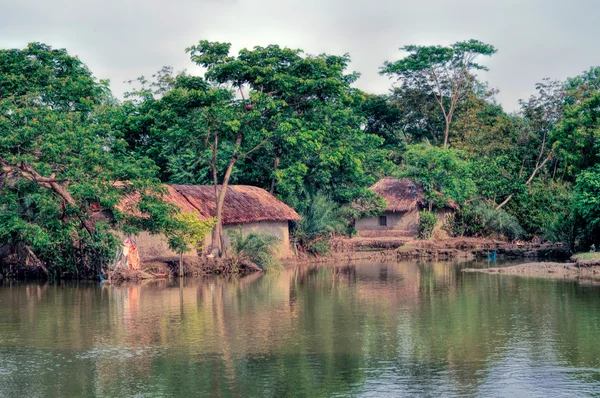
168, 267
403, 248
573, 270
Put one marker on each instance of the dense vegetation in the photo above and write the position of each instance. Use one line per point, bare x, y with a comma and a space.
293, 124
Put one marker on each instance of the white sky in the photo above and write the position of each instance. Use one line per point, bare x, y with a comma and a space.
123, 39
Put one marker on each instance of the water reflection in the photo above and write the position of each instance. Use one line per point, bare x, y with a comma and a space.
354, 329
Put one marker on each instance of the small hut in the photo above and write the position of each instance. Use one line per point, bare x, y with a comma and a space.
404, 199
248, 208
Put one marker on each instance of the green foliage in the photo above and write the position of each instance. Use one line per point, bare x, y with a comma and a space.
564, 229
368, 204
296, 117
255, 249
59, 160
587, 204
188, 232
427, 222
291, 123
427, 58
321, 220
481, 219
443, 173
442, 73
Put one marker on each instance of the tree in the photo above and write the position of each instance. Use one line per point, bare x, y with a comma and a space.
587, 203
284, 90
60, 162
445, 72
187, 234
443, 173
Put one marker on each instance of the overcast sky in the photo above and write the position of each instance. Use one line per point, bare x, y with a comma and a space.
123, 39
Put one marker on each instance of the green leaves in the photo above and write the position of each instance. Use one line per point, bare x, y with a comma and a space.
587, 196
443, 173
61, 160
430, 58
187, 232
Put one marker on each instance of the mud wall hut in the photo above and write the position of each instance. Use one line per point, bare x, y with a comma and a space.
404, 199
248, 208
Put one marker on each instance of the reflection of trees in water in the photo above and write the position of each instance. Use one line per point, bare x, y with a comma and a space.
318, 330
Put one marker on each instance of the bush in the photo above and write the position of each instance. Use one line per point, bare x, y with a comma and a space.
481, 219
464, 222
427, 221
320, 221
253, 249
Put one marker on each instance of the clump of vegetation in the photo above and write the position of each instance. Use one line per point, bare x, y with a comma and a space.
187, 233
427, 221
253, 250
321, 220
480, 219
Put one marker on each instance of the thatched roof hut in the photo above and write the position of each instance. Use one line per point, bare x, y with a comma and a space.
404, 198
248, 208
243, 204
399, 194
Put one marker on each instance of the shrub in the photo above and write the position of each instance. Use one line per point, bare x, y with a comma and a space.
427, 221
320, 221
481, 219
253, 249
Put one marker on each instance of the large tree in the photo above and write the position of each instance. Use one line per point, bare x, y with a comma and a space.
59, 161
446, 73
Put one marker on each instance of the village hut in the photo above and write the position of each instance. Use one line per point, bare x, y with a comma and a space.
404, 199
248, 208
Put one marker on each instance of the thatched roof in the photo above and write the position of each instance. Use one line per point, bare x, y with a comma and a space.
399, 194
403, 194
243, 203
130, 202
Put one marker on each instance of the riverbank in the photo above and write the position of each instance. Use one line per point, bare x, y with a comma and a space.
351, 249
359, 248
585, 267
403, 248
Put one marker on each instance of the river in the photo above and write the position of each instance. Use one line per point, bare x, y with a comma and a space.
366, 330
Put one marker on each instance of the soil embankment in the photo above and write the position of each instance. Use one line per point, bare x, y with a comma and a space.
405, 248
546, 270
582, 270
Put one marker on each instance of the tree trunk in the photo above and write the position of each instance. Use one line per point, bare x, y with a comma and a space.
529, 180
446, 132
217, 236
275, 166
218, 231
181, 264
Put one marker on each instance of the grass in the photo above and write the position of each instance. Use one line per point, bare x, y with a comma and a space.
586, 256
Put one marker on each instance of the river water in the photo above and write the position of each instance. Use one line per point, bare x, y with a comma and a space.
367, 329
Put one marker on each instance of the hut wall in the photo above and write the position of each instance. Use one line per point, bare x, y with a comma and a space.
396, 221
152, 246
439, 231
278, 229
